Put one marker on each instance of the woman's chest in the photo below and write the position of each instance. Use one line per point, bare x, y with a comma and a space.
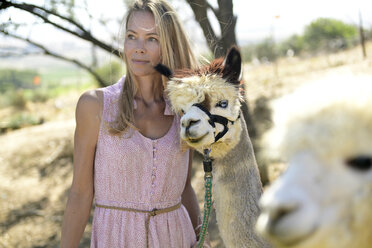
152, 125
138, 164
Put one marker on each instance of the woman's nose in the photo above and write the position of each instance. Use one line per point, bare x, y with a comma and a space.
140, 47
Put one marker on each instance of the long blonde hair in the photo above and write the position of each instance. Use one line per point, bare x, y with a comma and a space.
176, 53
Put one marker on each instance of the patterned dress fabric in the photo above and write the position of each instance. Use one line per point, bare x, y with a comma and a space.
133, 171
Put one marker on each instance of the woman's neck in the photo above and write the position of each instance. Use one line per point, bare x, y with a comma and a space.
150, 89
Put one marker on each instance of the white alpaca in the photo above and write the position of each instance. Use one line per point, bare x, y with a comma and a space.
201, 95
324, 199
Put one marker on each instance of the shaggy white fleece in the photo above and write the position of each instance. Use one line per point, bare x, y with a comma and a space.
337, 107
323, 200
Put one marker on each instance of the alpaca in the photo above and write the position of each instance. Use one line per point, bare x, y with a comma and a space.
203, 97
324, 199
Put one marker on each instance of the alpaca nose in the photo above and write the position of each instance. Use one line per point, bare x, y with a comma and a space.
187, 123
277, 213
280, 212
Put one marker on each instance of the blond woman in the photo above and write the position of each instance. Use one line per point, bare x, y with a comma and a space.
127, 154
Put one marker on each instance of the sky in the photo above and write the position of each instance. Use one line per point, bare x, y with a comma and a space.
256, 19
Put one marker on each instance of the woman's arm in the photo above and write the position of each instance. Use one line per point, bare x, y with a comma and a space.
190, 201
80, 197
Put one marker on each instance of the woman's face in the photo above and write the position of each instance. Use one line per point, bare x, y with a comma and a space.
141, 45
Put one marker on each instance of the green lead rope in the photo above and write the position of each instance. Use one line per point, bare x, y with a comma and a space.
207, 164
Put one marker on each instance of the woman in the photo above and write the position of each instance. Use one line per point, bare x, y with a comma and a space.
127, 153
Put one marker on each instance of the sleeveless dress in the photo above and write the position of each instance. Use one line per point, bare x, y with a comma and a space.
136, 172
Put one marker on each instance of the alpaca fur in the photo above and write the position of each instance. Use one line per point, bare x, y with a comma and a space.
184, 92
322, 200
237, 185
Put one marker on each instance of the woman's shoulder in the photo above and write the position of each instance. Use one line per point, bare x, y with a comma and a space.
90, 103
88, 118
92, 98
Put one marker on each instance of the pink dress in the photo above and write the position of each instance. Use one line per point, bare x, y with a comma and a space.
137, 172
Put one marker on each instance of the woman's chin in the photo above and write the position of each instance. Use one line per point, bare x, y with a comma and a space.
143, 73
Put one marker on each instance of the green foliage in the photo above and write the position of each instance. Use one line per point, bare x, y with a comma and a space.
323, 34
18, 99
110, 72
17, 88
295, 43
11, 79
327, 33
266, 50
19, 120
40, 95
247, 53
368, 33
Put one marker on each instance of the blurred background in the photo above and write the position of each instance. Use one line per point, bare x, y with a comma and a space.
51, 51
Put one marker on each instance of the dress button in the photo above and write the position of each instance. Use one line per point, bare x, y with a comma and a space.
154, 159
153, 185
154, 149
153, 177
151, 193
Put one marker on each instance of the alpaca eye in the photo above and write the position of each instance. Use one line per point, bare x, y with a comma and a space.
361, 163
222, 104
182, 111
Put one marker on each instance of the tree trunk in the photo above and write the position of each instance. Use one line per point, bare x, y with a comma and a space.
227, 22
200, 8
362, 37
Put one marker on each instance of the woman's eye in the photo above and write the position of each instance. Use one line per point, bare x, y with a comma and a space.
222, 104
130, 37
361, 163
152, 39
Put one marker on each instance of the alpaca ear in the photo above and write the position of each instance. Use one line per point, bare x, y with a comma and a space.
232, 66
163, 70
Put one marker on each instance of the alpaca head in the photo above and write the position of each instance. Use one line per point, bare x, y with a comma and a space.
324, 198
208, 99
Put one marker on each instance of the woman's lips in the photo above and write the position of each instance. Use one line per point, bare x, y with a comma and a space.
140, 61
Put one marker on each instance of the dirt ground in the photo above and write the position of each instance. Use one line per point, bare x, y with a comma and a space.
36, 162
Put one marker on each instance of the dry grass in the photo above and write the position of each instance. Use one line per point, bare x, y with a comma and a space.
273, 80
36, 162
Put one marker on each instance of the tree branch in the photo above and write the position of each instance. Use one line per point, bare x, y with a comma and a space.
215, 11
43, 13
55, 55
4, 5
14, 54
199, 7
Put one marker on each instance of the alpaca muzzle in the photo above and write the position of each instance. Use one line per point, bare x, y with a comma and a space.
213, 119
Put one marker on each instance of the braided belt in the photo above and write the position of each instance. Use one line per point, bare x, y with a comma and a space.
150, 213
